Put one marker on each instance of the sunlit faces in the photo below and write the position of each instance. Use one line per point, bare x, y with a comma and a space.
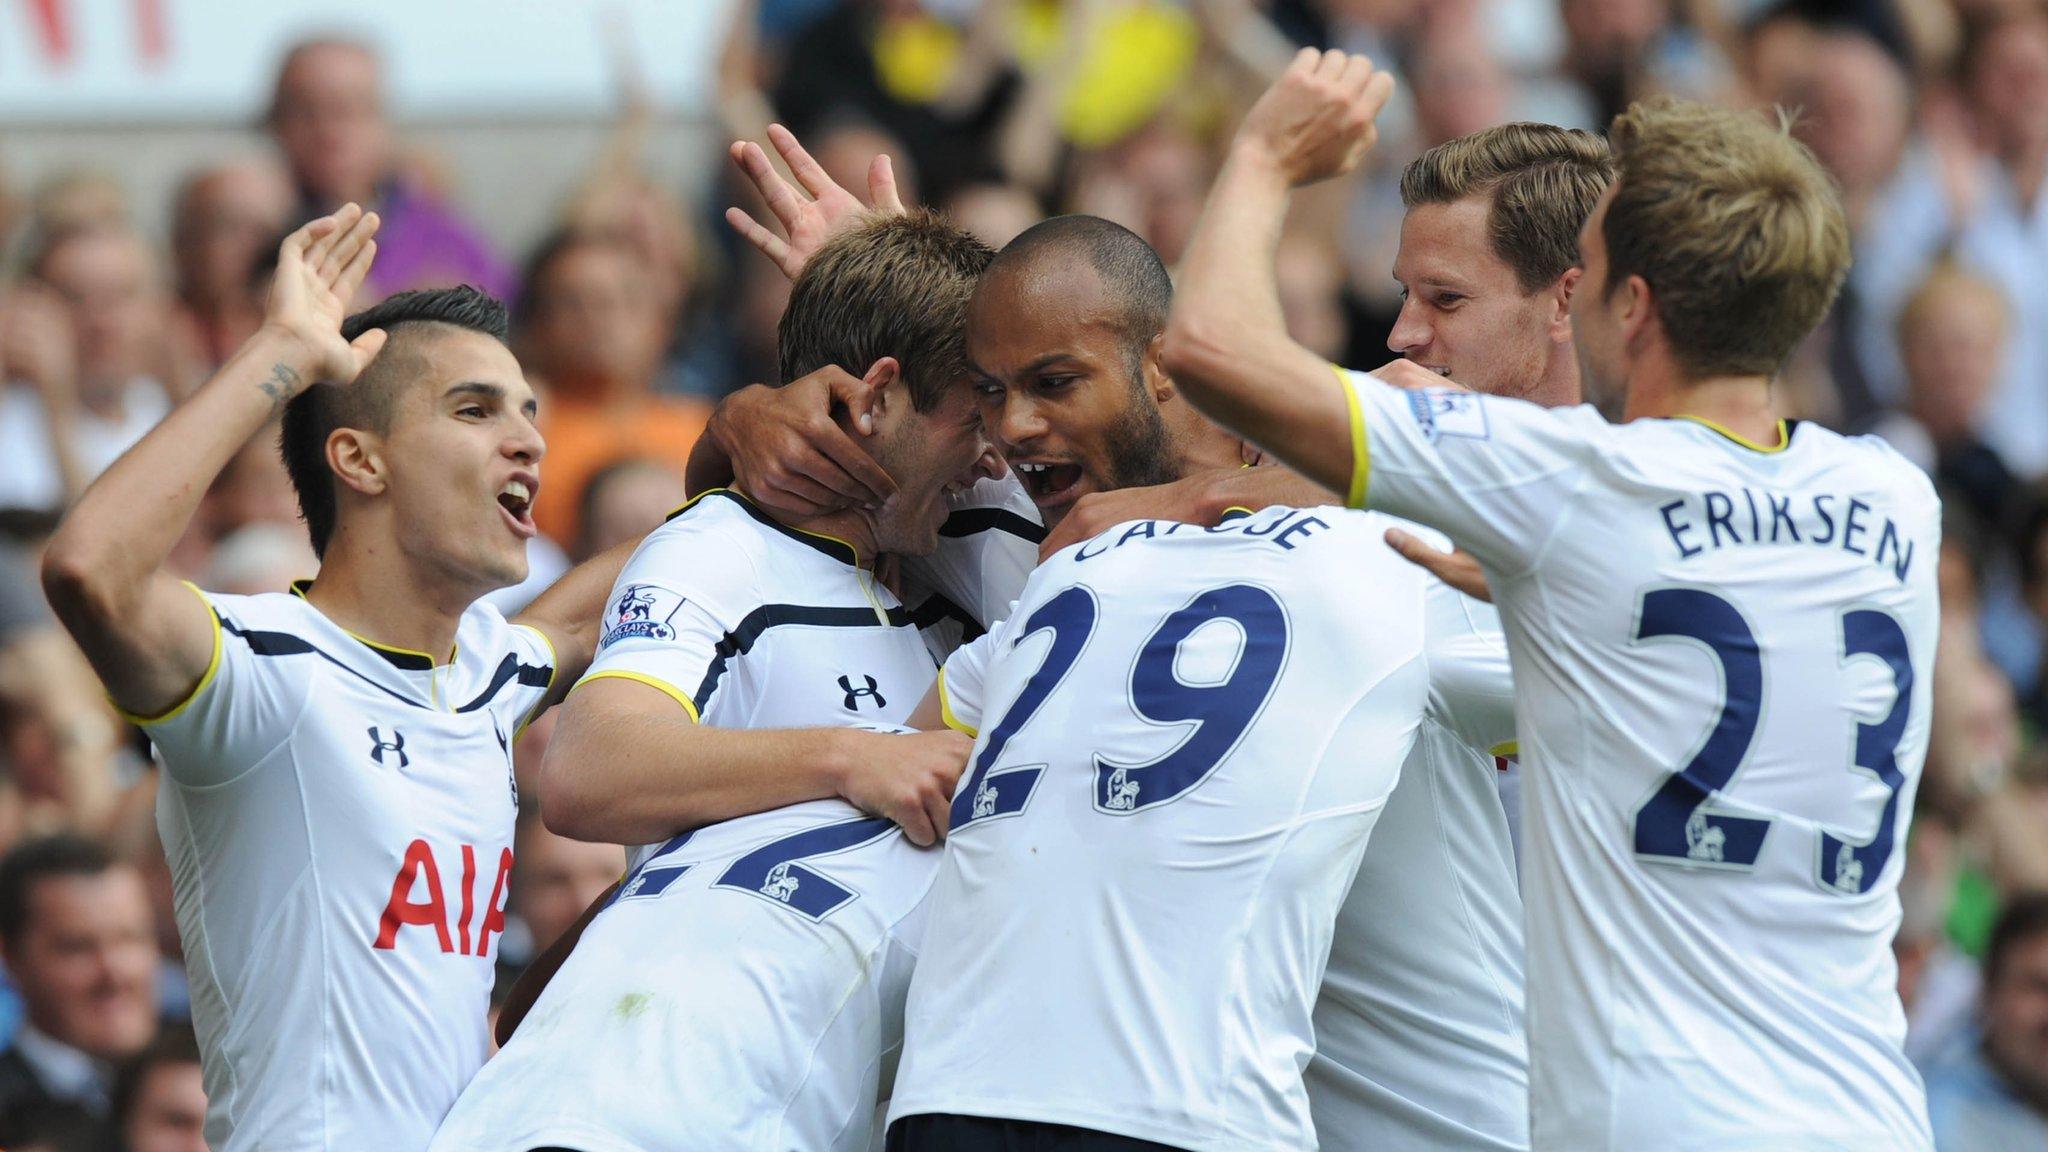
1072, 405
462, 457
1596, 311
1464, 313
930, 454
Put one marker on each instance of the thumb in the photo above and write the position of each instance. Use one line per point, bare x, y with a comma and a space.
1413, 549
367, 346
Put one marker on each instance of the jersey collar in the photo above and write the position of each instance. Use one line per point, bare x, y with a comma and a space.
1785, 428
832, 546
405, 659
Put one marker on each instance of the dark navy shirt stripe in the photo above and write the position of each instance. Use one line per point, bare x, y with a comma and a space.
971, 521
741, 639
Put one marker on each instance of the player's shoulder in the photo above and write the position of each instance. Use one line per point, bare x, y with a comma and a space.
717, 537
1874, 459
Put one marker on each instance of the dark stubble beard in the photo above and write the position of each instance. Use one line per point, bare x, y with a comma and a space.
1140, 450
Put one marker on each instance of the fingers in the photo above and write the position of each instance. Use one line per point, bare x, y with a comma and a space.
882, 190
797, 492
808, 171
1331, 66
344, 218
1379, 88
917, 826
351, 277
343, 252
784, 201
939, 811
842, 489
1305, 62
1414, 549
295, 245
763, 240
1456, 569
1357, 72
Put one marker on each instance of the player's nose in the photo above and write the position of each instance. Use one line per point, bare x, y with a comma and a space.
526, 444
990, 465
1411, 331
1019, 422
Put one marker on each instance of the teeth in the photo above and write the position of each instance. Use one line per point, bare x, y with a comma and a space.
1033, 468
517, 490
1443, 372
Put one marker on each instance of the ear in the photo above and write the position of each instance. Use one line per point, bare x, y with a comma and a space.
875, 394
1561, 297
356, 458
1152, 368
1639, 322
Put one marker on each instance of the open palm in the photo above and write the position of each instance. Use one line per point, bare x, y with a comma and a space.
319, 268
809, 221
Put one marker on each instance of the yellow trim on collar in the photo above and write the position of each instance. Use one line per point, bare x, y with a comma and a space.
946, 711
762, 514
1784, 435
205, 678
1361, 447
662, 686
299, 588
1509, 750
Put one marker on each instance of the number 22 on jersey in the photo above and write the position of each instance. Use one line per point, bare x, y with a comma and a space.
1220, 712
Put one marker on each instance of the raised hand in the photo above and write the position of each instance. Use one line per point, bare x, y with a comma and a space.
319, 268
807, 220
1316, 120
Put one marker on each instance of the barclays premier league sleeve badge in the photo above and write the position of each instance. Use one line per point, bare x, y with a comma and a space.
640, 612
1448, 412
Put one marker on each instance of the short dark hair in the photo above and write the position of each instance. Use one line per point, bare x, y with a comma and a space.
367, 402
175, 1043
34, 861
1540, 181
2023, 918
1129, 268
896, 286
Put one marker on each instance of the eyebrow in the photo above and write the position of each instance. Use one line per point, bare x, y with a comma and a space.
488, 391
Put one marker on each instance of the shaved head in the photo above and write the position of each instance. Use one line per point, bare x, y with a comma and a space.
1136, 291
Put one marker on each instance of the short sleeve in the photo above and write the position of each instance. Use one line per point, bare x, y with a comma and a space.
669, 611
243, 707
964, 680
1470, 689
1498, 475
535, 667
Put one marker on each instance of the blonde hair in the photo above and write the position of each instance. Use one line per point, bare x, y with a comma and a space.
1734, 226
1945, 281
1543, 182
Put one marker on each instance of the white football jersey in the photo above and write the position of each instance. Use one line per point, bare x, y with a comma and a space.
1722, 666
988, 546
338, 821
745, 989
1186, 735
1419, 1038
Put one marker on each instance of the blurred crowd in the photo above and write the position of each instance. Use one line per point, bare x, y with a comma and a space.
638, 310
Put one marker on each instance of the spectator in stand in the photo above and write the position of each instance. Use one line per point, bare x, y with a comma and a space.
1995, 1095
87, 408
160, 1104
625, 501
556, 878
76, 936
224, 229
590, 329
2005, 77
1857, 102
328, 119
1952, 332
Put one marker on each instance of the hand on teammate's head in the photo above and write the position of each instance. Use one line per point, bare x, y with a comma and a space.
789, 453
1317, 120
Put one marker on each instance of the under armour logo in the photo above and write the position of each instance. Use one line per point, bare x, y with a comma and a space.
396, 745
853, 694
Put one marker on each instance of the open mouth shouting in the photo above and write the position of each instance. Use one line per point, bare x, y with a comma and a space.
1049, 483
515, 502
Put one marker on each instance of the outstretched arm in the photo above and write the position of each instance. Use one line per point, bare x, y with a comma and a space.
1226, 341
150, 640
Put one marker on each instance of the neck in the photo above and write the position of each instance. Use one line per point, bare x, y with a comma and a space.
1560, 387
375, 591
1741, 404
853, 525
1200, 444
